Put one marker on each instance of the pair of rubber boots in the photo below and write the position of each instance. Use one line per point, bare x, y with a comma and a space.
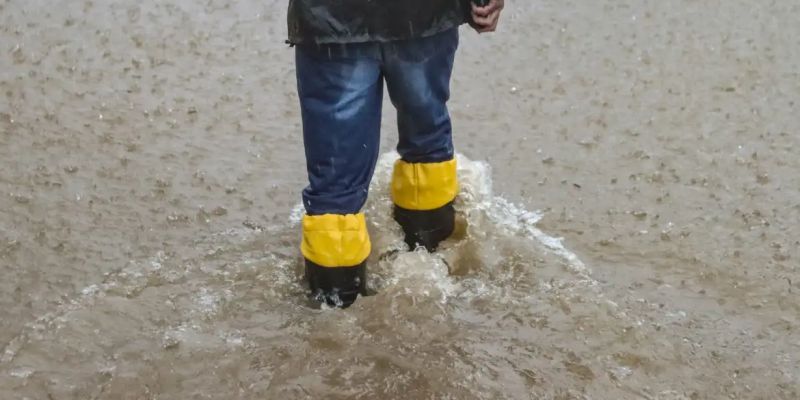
336, 247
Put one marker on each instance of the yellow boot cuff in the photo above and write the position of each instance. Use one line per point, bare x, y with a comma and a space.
335, 240
424, 186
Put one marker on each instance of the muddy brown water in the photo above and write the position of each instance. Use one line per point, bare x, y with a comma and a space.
150, 165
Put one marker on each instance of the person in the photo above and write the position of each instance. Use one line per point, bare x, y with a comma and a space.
345, 51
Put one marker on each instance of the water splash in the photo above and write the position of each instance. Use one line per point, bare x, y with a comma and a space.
488, 222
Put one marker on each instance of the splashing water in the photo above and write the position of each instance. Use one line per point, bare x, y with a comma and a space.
502, 310
142, 262
482, 216
239, 293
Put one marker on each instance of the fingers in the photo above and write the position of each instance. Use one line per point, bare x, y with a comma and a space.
487, 23
493, 6
485, 19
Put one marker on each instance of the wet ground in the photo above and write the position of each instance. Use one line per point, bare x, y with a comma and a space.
150, 165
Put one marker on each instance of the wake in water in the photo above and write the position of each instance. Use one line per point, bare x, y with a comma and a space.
499, 292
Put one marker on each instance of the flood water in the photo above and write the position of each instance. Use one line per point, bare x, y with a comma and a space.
628, 222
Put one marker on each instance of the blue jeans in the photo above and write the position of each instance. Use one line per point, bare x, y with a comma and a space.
341, 92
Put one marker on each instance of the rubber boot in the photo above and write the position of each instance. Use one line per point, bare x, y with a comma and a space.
336, 287
426, 228
336, 248
423, 195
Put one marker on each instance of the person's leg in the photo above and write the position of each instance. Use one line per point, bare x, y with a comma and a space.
424, 183
340, 90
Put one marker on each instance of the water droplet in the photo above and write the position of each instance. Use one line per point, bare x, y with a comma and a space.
21, 199
219, 211
21, 373
639, 214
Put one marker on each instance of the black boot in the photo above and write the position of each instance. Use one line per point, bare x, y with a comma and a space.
337, 287
426, 228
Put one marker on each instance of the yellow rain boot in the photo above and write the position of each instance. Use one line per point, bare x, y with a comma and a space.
423, 195
336, 248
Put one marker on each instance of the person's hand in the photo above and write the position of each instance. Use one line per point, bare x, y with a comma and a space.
485, 19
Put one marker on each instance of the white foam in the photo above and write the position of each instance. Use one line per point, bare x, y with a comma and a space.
476, 193
22, 373
296, 215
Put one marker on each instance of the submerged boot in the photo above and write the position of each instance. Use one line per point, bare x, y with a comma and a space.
426, 228
423, 195
336, 287
336, 248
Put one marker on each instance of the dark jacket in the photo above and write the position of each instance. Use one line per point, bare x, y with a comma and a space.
353, 21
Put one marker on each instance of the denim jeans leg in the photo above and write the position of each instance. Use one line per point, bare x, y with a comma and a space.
418, 79
341, 91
